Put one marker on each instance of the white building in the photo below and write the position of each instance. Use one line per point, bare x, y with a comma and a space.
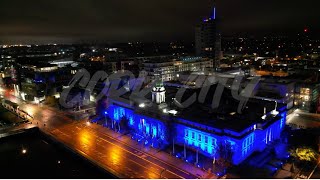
169, 69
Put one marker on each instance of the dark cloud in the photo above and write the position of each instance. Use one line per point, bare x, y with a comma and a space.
127, 20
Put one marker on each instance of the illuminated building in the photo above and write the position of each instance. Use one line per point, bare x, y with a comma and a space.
8, 73
298, 91
208, 39
64, 62
38, 80
35, 80
159, 93
197, 128
280, 90
169, 67
307, 97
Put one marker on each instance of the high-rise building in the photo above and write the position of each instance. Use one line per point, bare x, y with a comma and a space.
208, 39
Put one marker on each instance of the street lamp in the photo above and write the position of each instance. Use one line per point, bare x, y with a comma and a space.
88, 123
197, 157
105, 118
24, 151
184, 151
173, 150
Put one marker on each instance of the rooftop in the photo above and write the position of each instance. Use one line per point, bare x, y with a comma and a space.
225, 116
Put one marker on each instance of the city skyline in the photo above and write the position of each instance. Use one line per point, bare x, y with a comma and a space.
112, 21
160, 89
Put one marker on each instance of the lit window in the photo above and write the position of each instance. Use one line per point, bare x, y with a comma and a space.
247, 144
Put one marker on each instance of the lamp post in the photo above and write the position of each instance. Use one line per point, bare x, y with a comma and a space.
105, 118
184, 151
213, 161
173, 147
197, 157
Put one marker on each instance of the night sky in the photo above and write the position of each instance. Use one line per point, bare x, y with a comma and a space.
38, 21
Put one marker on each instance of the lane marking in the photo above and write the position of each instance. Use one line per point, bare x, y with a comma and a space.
150, 155
97, 137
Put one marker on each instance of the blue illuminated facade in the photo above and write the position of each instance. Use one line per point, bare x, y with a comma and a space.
153, 131
200, 137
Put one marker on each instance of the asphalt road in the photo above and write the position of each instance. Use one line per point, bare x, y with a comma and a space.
116, 156
109, 153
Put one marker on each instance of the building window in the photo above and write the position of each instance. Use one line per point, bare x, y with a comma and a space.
247, 144
214, 142
192, 135
199, 137
206, 139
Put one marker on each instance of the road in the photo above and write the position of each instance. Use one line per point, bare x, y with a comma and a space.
113, 155
316, 174
308, 171
116, 156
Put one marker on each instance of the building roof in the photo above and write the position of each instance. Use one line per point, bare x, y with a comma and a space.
225, 116
304, 120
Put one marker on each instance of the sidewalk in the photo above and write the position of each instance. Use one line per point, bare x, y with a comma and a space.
162, 156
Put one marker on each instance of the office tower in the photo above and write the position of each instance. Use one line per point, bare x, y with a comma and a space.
208, 39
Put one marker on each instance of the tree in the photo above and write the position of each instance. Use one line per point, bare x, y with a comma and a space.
304, 154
